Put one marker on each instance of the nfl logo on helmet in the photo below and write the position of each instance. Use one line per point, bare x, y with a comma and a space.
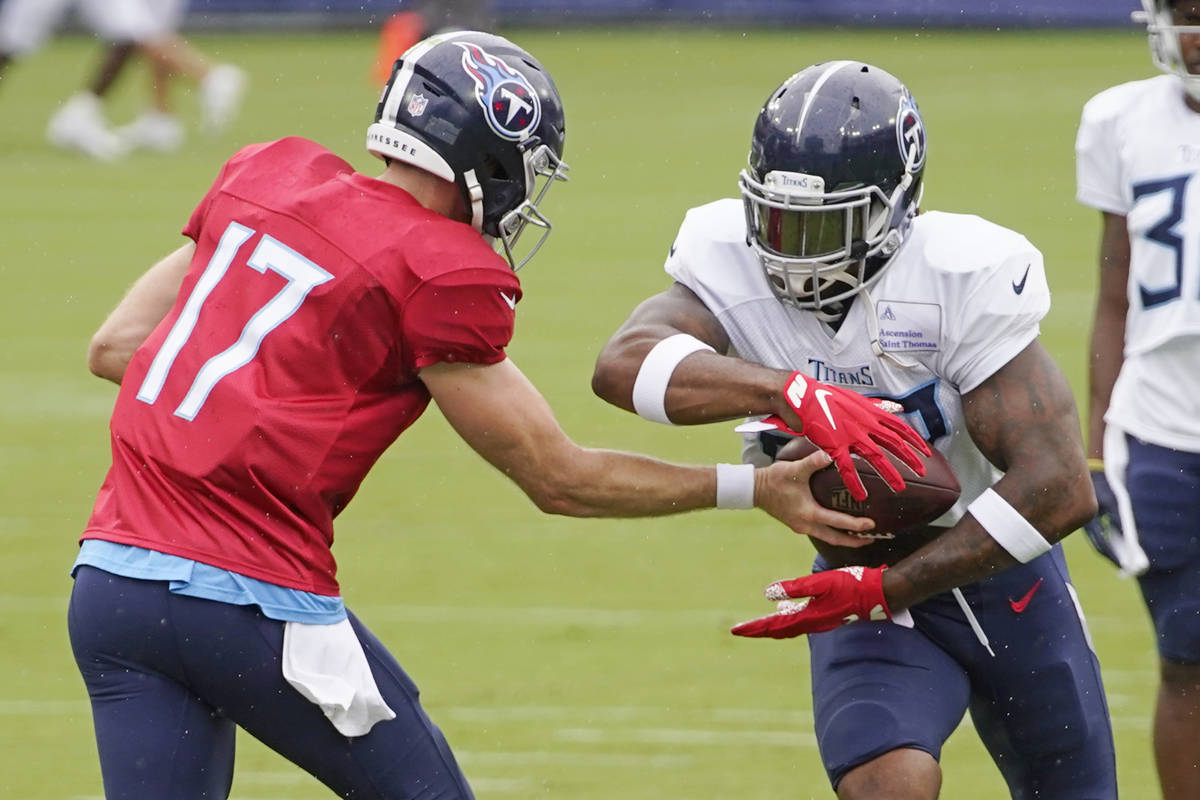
512, 106
417, 104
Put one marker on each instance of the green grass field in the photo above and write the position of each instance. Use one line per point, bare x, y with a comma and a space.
573, 659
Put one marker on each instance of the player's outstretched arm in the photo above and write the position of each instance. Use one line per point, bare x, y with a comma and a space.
135, 317
1023, 418
668, 363
500, 414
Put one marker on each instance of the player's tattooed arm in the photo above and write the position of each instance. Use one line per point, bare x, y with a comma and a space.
705, 387
1023, 418
138, 313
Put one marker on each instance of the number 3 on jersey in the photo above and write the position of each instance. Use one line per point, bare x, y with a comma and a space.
302, 276
1163, 233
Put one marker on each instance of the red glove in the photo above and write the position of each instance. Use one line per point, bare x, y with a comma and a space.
832, 598
842, 422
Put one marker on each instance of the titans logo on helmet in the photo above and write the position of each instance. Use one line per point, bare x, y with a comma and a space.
910, 130
511, 105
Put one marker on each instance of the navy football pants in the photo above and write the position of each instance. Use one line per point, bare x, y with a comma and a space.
1037, 704
170, 677
1164, 486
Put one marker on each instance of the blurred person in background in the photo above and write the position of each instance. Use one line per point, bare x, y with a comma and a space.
1138, 163
148, 27
828, 269
170, 56
268, 363
24, 27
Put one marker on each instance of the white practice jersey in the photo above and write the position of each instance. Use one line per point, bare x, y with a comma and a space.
1138, 155
959, 300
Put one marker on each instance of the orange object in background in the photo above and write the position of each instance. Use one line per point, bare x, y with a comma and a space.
399, 33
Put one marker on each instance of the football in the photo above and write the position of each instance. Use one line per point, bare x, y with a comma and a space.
924, 499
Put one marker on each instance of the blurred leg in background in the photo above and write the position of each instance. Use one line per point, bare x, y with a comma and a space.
25, 25
170, 56
219, 87
80, 124
146, 27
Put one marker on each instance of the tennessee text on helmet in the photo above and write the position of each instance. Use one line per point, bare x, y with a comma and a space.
833, 180
479, 111
1164, 32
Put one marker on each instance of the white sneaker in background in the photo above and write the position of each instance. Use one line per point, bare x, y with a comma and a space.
79, 125
221, 97
152, 130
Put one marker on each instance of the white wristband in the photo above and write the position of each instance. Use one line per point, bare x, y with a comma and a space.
735, 486
650, 386
1006, 525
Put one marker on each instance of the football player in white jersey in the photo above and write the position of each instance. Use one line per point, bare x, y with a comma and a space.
826, 270
1138, 163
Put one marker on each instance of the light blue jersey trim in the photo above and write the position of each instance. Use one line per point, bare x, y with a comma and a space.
194, 579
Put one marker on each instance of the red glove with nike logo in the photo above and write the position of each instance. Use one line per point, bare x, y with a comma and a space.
831, 599
842, 422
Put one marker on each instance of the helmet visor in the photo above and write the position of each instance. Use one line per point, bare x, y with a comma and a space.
815, 232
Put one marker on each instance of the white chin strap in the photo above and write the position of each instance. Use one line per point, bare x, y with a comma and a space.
1191, 85
475, 193
873, 333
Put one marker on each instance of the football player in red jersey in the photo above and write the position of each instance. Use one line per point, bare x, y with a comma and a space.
266, 364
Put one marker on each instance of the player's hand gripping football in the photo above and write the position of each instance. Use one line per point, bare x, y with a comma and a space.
784, 490
844, 423
829, 599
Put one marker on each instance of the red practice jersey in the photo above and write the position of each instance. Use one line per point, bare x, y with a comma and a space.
288, 364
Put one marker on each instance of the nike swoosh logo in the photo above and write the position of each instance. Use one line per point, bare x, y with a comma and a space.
512, 301
1020, 287
1019, 606
821, 394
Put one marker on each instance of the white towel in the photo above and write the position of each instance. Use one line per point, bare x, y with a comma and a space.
326, 664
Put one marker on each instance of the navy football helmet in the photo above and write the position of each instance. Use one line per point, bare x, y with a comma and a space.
833, 181
478, 111
1164, 31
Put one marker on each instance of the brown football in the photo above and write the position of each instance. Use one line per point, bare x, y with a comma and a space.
924, 499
